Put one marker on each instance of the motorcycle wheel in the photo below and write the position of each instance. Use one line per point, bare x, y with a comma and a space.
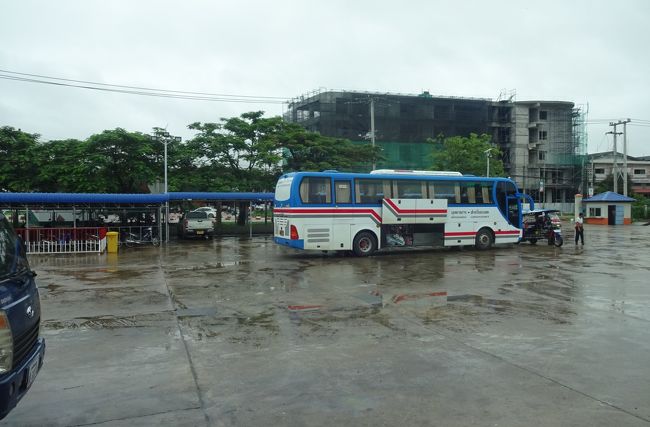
533, 241
558, 241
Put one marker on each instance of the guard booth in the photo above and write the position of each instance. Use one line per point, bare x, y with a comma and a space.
608, 208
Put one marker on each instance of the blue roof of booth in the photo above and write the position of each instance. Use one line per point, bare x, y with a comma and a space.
609, 196
146, 199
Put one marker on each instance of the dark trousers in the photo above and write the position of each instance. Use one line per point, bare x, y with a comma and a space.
580, 234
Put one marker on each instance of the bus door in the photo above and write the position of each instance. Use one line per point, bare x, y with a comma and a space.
341, 238
509, 202
514, 211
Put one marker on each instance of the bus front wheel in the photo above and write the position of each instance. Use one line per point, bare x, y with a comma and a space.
484, 239
364, 244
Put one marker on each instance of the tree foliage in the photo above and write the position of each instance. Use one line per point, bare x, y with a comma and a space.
467, 155
244, 153
18, 170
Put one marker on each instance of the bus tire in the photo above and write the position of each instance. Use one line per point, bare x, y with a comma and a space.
484, 239
364, 244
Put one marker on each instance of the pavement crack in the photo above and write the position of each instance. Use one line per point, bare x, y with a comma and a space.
191, 408
187, 350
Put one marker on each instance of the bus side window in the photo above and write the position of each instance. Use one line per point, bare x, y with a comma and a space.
343, 193
471, 192
316, 190
409, 189
457, 193
486, 190
371, 191
447, 190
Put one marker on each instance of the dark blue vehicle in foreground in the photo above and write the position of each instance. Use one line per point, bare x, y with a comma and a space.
21, 347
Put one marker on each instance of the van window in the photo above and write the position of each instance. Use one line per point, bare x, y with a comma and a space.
316, 190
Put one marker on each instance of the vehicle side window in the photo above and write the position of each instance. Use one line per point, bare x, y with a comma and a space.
7, 248
316, 190
409, 189
343, 192
446, 190
372, 191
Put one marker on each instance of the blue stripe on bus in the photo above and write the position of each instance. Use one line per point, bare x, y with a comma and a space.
298, 244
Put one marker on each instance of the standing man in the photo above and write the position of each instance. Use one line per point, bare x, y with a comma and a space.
580, 229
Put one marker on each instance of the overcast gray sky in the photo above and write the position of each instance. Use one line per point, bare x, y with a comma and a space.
586, 52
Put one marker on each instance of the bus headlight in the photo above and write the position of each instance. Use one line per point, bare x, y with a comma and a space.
6, 344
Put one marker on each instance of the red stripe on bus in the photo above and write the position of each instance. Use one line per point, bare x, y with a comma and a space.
328, 211
415, 211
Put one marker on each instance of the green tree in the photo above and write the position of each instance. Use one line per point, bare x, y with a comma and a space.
18, 168
123, 162
243, 149
467, 155
64, 166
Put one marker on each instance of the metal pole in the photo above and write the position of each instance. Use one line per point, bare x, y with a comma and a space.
624, 158
488, 164
166, 197
615, 163
250, 219
372, 129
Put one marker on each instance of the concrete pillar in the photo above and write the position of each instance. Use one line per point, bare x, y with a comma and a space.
578, 205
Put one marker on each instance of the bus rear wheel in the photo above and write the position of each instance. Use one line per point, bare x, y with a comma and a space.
484, 239
364, 244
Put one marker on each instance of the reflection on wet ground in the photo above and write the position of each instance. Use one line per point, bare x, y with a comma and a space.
252, 326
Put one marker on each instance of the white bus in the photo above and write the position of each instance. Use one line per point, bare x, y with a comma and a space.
329, 211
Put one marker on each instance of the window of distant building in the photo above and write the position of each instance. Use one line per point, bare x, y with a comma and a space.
543, 115
543, 135
541, 155
594, 211
599, 171
639, 171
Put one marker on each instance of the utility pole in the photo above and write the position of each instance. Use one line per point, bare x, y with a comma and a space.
163, 136
625, 122
372, 129
616, 172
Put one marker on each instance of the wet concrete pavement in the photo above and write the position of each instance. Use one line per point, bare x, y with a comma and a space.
243, 332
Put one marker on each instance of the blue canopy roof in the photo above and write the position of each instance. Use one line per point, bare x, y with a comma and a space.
137, 199
220, 196
609, 196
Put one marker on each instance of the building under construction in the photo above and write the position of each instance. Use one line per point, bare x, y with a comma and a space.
543, 142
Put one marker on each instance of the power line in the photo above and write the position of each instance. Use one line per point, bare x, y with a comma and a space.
137, 90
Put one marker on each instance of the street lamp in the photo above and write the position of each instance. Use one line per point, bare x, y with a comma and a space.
488, 154
164, 137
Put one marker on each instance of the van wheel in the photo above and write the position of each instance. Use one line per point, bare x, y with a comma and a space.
364, 244
484, 239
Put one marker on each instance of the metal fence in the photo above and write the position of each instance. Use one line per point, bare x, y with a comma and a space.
64, 240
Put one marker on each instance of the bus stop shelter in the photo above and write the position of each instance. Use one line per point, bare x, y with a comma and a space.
78, 222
